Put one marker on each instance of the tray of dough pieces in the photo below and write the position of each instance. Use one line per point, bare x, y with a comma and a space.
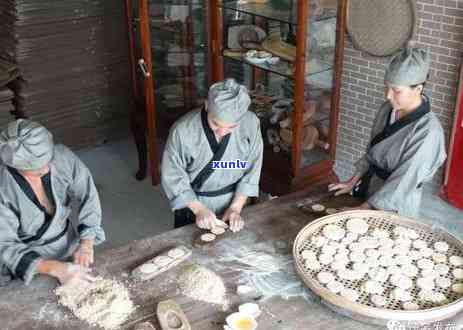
377, 266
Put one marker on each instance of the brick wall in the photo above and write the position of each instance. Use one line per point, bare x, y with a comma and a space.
440, 30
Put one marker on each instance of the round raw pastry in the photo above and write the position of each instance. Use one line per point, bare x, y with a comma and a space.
372, 253
331, 210
386, 242
401, 295
328, 249
386, 261
401, 250
372, 262
325, 277
442, 269
333, 232
409, 270
412, 234
344, 257
318, 208
351, 237
386, 251
350, 294
343, 251
439, 257
325, 259
369, 242
401, 281
441, 247
218, 230
312, 264
420, 244
380, 233
357, 257
458, 273
378, 274
414, 255
338, 265
438, 297
318, 241
403, 260
431, 273
148, 268
457, 288
443, 282
456, 261
378, 300
356, 247
372, 287
307, 254
426, 252
208, 237
357, 225
162, 261
425, 264
351, 275
336, 245
394, 270
410, 306
176, 253
425, 283
361, 267
426, 295
400, 232
335, 286
403, 241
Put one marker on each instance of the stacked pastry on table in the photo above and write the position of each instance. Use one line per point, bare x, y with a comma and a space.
394, 268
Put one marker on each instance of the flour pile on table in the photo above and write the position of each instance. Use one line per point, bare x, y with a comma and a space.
202, 284
105, 303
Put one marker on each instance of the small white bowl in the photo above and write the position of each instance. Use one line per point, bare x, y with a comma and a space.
241, 321
250, 309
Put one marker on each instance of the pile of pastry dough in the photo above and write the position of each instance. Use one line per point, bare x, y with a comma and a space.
397, 270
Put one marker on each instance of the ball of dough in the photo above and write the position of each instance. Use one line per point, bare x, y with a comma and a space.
409, 270
319, 241
458, 273
335, 286
325, 259
350, 294
331, 210
442, 269
425, 283
357, 225
357, 257
441, 247
386, 251
439, 258
312, 265
328, 249
380, 233
308, 254
162, 261
412, 234
372, 253
325, 277
403, 260
410, 306
456, 261
318, 208
426, 252
399, 231
401, 295
425, 264
414, 255
372, 287
401, 281
378, 301
148, 268
386, 261
443, 282
333, 232
378, 274
338, 265
457, 288
420, 244
386, 242
431, 273
403, 241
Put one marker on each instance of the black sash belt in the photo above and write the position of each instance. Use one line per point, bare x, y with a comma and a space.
50, 240
218, 150
361, 189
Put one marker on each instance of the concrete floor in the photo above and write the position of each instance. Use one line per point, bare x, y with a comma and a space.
133, 209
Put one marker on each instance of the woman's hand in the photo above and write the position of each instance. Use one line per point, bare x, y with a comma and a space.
64, 271
234, 218
84, 253
205, 218
344, 187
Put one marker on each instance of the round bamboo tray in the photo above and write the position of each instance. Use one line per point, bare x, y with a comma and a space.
363, 310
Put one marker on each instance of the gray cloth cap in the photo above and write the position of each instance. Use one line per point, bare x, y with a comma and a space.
228, 101
26, 145
409, 67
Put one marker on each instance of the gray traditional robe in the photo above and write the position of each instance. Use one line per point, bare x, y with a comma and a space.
21, 219
187, 152
413, 155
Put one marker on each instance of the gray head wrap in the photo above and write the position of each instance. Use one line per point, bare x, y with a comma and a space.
26, 145
409, 67
228, 101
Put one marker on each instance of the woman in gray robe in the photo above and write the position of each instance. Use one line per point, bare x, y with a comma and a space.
213, 158
38, 181
407, 142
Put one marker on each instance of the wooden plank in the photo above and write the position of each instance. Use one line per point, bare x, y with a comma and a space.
35, 307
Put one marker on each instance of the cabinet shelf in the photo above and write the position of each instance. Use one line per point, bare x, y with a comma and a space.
284, 68
266, 10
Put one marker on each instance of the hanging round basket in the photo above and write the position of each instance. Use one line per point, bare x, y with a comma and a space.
381, 27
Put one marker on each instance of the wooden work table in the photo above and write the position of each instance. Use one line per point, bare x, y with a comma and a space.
279, 220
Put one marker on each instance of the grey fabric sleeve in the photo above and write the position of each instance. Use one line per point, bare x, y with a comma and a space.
174, 178
249, 183
419, 161
18, 257
83, 190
